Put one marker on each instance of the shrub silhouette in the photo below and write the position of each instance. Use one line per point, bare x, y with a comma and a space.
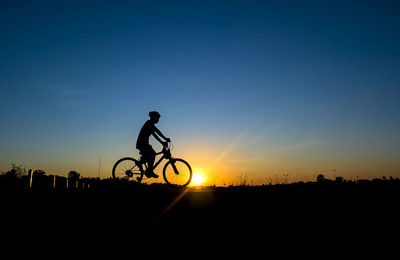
339, 179
38, 173
320, 178
73, 175
16, 171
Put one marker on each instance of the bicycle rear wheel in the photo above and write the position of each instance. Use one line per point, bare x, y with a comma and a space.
177, 172
127, 168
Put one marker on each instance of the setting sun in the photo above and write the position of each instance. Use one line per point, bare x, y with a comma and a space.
197, 179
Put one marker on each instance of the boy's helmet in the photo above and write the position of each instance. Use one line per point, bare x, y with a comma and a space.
154, 114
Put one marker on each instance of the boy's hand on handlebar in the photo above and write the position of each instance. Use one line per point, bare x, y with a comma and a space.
167, 140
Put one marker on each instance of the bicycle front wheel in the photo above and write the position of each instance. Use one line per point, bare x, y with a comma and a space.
126, 168
177, 172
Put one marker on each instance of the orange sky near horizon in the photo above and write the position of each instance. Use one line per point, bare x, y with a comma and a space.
232, 162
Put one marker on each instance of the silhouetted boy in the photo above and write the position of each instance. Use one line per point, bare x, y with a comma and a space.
142, 143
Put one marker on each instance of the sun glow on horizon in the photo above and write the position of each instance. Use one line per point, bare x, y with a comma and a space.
198, 178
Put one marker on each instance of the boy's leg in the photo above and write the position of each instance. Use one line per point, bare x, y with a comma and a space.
151, 156
150, 162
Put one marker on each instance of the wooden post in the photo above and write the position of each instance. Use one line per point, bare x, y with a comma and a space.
67, 183
54, 182
30, 171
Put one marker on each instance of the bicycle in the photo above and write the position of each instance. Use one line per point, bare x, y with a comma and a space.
176, 172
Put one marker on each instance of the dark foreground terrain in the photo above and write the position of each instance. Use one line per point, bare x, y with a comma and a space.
292, 213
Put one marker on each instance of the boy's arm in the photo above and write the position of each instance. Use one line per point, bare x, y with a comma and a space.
158, 132
158, 138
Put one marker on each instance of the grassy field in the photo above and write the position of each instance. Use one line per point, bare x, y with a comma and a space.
312, 206
327, 215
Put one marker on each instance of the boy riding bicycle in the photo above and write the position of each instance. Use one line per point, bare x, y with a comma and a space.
142, 143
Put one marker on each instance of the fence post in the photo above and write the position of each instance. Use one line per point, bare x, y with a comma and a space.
30, 171
54, 182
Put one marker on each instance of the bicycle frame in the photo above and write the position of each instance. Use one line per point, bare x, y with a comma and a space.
159, 161
166, 155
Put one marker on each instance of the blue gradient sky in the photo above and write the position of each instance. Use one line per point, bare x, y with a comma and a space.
244, 87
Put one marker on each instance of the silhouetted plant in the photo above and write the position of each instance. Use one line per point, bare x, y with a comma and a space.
320, 178
16, 171
339, 179
73, 175
39, 173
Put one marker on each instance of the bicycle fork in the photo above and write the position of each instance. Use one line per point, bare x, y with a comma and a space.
174, 167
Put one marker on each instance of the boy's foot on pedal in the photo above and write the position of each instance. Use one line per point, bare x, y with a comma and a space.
151, 174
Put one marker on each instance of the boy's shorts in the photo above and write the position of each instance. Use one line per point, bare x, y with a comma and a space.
147, 152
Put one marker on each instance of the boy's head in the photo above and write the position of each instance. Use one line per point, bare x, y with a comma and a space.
154, 116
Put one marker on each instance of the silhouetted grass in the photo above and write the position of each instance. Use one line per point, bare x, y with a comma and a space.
117, 206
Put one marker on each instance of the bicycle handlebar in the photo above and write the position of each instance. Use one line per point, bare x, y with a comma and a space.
167, 146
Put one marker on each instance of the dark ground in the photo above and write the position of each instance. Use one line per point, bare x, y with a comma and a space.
295, 213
